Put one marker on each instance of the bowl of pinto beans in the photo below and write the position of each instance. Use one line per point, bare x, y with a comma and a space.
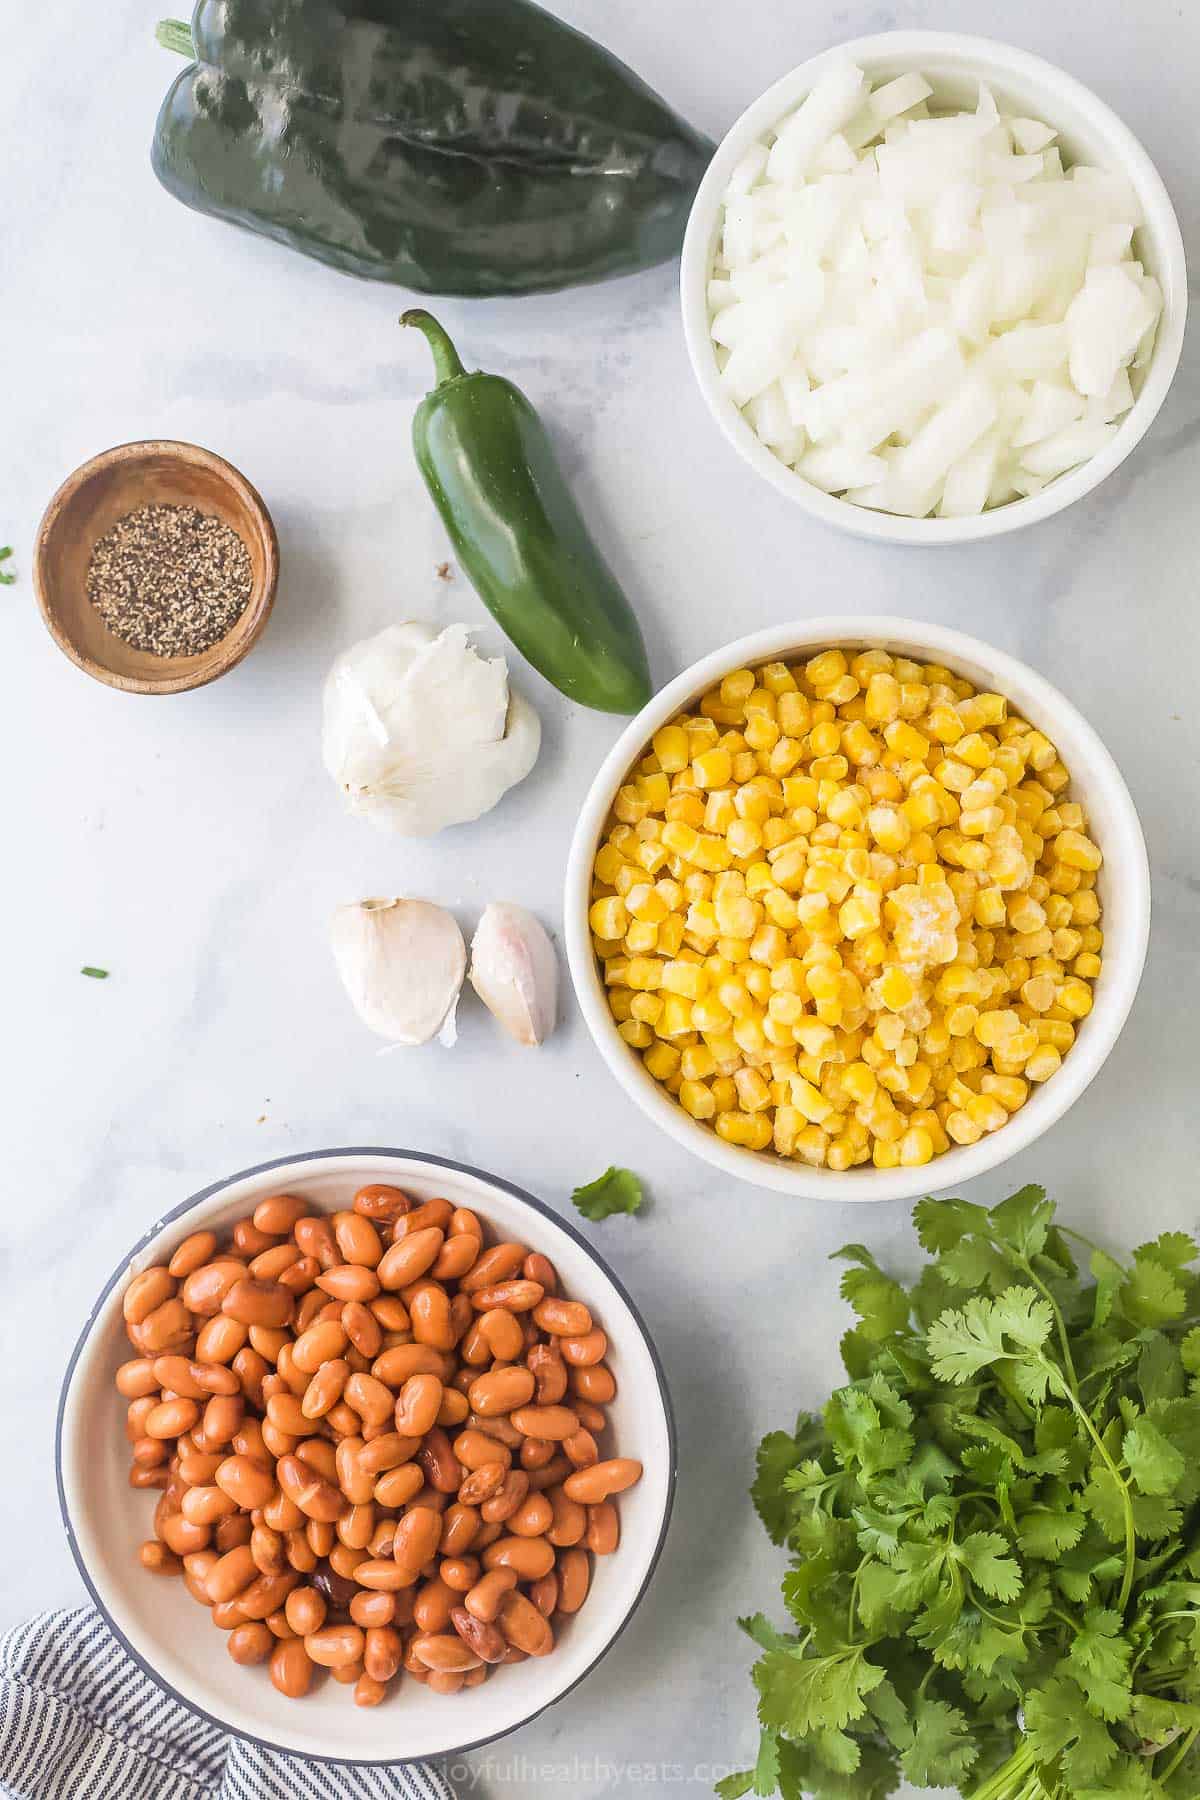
365, 1456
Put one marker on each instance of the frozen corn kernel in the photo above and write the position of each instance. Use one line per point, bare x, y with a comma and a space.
609, 919
847, 910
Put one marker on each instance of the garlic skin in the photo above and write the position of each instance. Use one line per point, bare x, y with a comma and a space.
515, 972
421, 732
402, 963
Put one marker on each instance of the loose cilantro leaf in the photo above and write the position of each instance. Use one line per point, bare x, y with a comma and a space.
616, 1191
7, 578
994, 1527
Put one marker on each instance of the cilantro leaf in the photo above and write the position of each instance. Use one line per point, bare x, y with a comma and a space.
1058, 1723
732, 1787
941, 1751
881, 1303
799, 1695
777, 1455
943, 1223
1098, 1661
1150, 1294
1155, 1464
1023, 1220
616, 1191
985, 1556
962, 1343
7, 578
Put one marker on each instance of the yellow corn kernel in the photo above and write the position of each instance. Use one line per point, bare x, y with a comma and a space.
916, 1148
662, 1060
1085, 908
1077, 851
646, 903
636, 1033
944, 723
1087, 965
671, 935
647, 1007
697, 1099
609, 918
712, 853
750, 1038
963, 1129
988, 907
1066, 944
712, 768
896, 989
752, 1131
986, 1111
744, 837
753, 1092
609, 861
975, 750
681, 839
1045, 1062
685, 978
698, 1063
670, 745
1009, 1090
621, 1003
641, 938
993, 1027
738, 917
724, 1093
655, 790
859, 915
644, 972
651, 856
1075, 998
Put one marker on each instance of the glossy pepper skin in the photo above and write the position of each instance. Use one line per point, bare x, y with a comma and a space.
451, 146
494, 477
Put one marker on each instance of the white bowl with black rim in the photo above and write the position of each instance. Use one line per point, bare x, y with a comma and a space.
173, 1639
1123, 885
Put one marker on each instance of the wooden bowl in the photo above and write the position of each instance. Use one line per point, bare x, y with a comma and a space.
89, 503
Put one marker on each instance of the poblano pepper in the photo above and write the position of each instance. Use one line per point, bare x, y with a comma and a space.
493, 474
451, 146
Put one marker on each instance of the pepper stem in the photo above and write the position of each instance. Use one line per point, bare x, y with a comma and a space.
173, 34
447, 364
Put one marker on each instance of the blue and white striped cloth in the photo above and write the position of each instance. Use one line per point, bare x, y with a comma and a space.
80, 1721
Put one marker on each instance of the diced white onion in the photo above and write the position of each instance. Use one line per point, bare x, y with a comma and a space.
921, 312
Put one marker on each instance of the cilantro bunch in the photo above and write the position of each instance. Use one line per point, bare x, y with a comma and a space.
995, 1527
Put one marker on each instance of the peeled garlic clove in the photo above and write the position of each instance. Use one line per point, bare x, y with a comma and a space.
515, 972
402, 963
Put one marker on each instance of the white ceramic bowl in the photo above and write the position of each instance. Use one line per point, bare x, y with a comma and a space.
1089, 131
1123, 884
172, 1637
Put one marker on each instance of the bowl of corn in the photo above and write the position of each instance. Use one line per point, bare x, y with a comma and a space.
857, 907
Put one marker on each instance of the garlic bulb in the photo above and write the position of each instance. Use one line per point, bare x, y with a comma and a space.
421, 732
402, 963
515, 972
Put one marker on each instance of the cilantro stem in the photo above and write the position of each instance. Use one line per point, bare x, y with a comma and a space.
1181, 1754
1126, 1502
1088, 1244
1064, 1342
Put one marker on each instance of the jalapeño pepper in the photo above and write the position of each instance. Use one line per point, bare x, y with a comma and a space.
491, 469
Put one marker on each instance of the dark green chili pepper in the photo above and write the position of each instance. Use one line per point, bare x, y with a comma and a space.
451, 146
518, 533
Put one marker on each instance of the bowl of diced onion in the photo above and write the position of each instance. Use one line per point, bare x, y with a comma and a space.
933, 288
788, 777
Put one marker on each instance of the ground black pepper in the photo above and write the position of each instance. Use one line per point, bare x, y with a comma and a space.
170, 579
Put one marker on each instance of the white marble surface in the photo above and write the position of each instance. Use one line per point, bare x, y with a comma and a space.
194, 846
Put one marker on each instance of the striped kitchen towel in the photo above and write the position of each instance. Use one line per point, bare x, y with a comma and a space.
80, 1721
